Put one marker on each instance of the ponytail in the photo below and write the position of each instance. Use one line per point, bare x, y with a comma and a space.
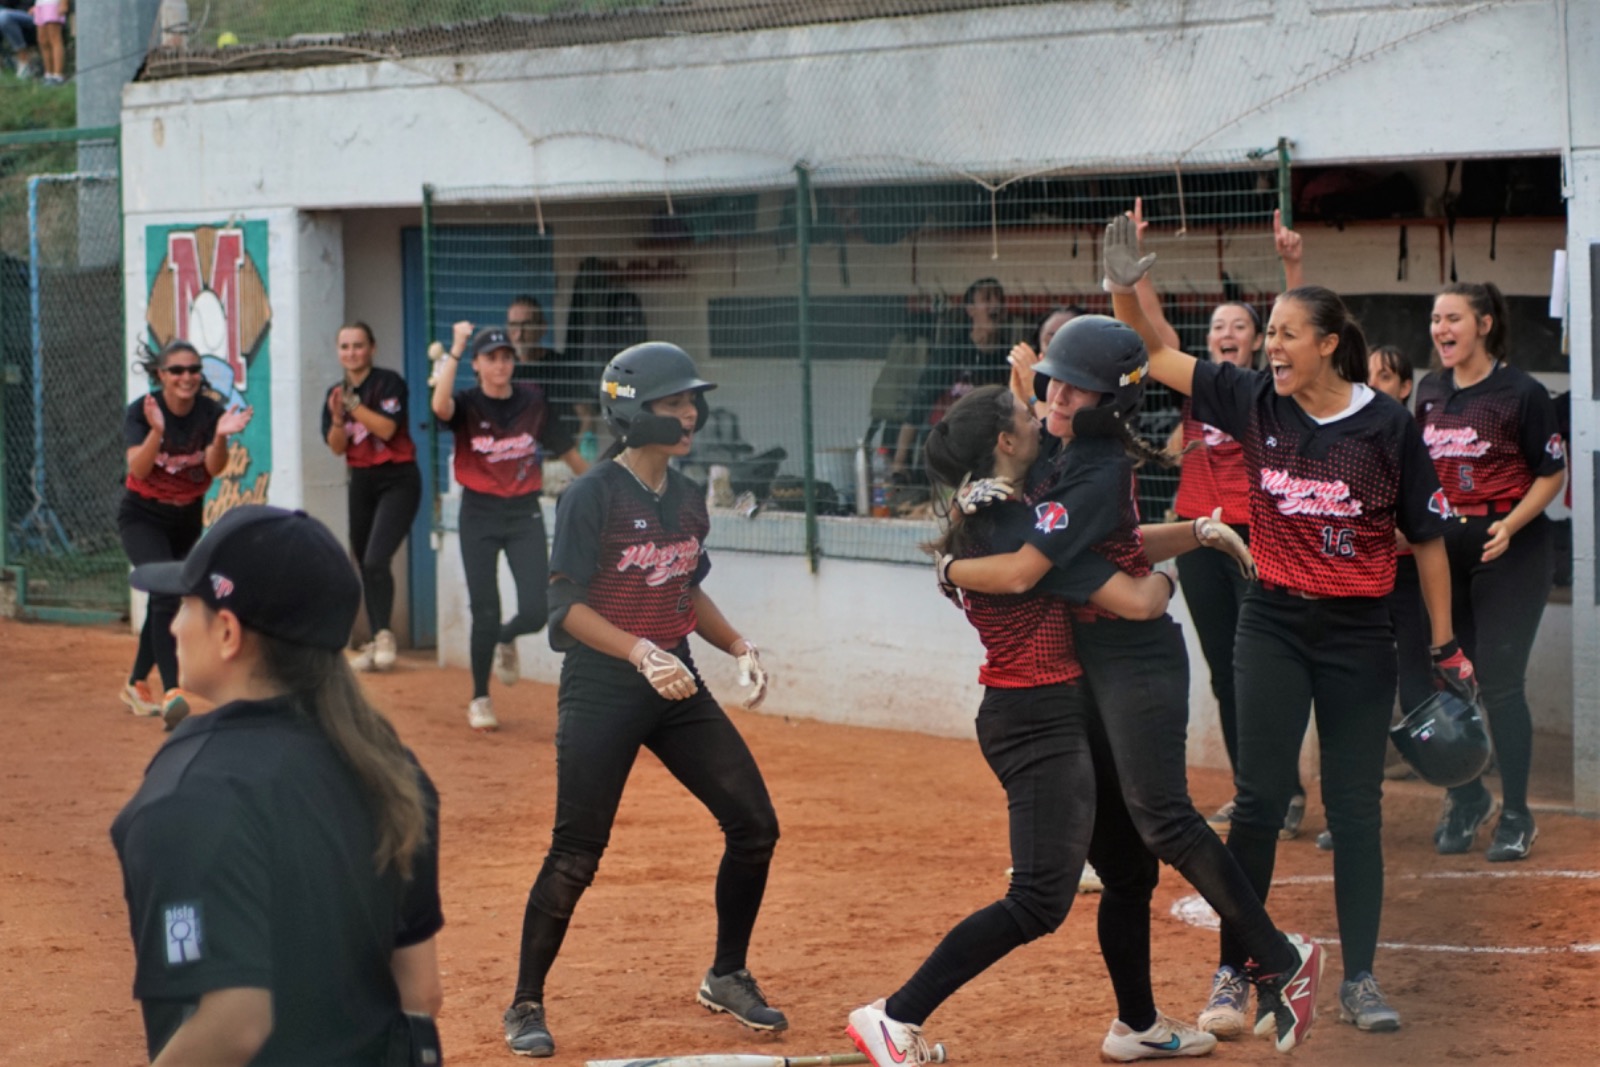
960, 448
1330, 317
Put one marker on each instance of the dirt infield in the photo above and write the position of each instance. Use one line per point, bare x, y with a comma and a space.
888, 839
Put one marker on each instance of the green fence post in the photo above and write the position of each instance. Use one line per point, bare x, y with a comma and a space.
802, 226
5, 381
427, 329
1285, 189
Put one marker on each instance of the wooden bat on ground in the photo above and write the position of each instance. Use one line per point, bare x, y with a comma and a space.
734, 1059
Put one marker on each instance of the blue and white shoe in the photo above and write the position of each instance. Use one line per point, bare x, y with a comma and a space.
1225, 1012
1361, 1002
1166, 1039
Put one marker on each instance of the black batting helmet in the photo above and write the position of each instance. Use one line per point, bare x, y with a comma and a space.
1102, 355
1444, 739
634, 377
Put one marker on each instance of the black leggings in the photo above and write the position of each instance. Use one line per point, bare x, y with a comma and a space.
1046, 747
1336, 656
153, 532
1213, 589
1496, 608
491, 525
383, 502
606, 712
1412, 634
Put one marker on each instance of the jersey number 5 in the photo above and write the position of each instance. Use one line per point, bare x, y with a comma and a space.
1340, 542
1464, 473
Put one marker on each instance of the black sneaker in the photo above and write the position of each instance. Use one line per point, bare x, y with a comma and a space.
1460, 819
739, 996
1514, 836
1325, 841
526, 1033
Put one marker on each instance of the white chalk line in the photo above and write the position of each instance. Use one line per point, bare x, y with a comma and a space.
1194, 911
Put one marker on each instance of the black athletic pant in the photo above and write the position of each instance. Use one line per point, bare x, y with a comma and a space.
606, 712
1049, 754
153, 532
489, 526
383, 502
1496, 608
1213, 589
1336, 655
1413, 635
1138, 677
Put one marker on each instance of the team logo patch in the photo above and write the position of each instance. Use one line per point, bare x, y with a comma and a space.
221, 587
1554, 447
1050, 517
1135, 376
390, 406
1439, 505
182, 923
616, 389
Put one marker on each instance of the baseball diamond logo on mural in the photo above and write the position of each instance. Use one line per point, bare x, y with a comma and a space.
208, 285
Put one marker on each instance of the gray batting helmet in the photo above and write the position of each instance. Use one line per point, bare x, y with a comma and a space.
1102, 355
634, 377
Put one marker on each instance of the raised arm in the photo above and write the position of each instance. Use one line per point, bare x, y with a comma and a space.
1125, 268
444, 375
1291, 251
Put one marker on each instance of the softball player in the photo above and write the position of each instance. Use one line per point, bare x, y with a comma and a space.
503, 430
1492, 432
364, 420
1334, 469
1136, 671
628, 561
177, 440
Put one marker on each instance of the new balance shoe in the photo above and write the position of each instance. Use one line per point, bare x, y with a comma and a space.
1460, 819
480, 715
1166, 1039
1514, 836
1361, 1002
507, 664
1089, 881
1295, 993
1293, 818
885, 1042
1222, 818
139, 699
364, 658
739, 995
1225, 1011
174, 708
1266, 1024
383, 650
526, 1032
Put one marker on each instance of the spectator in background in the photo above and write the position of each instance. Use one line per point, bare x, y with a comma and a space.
560, 378
50, 16
16, 29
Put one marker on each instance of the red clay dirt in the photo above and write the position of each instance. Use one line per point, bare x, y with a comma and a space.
888, 840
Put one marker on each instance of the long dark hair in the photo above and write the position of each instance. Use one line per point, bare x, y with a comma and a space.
152, 362
326, 690
961, 448
1329, 317
1485, 299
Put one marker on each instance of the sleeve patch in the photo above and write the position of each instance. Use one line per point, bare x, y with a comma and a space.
184, 940
1050, 516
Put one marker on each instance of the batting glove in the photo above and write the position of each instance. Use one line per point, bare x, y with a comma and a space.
751, 673
1124, 266
975, 496
665, 672
1453, 672
1212, 532
349, 398
952, 592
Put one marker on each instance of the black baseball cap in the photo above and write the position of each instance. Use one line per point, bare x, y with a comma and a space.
488, 339
281, 572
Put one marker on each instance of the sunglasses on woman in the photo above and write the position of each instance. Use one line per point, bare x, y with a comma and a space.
182, 368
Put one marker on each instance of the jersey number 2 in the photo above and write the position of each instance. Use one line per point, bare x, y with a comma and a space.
1340, 542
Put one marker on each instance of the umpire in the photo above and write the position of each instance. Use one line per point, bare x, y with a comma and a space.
279, 858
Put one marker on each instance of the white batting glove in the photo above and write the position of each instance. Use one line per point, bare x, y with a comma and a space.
1124, 266
1212, 532
751, 672
665, 672
974, 496
952, 592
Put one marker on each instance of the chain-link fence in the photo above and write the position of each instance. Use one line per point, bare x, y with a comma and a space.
63, 378
839, 314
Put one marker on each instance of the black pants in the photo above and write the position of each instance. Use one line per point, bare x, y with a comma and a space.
1138, 676
153, 532
491, 525
383, 502
606, 713
1412, 634
1049, 753
1496, 608
1213, 589
1338, 656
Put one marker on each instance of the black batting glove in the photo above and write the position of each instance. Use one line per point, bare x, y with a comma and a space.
1453, 672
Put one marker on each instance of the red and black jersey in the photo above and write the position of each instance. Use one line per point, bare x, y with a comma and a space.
382, 391
1490, 440
628, 555
1213, 475
1325, 499
180, 475
501, 442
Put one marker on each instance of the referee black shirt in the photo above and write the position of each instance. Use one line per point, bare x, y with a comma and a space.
247, 863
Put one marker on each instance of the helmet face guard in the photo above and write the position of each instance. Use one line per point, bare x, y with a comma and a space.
1101, 355
644, 373
1444, 739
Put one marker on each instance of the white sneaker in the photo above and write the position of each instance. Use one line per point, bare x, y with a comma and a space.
1225, 1012
364, 657
383, 650
883, 1041
1166, 1038
1089, 881
507, 664
480, 714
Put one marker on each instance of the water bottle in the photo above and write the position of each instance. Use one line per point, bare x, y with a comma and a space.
880, 485
863, 478
589, 446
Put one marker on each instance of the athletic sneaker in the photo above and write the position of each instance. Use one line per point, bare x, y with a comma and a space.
1089, 881
364, 658
507, 665
1325, 841
1361, 1002
1514, 836
1222, 818
1166, 1039
526, 1032
139, 699
1293, 818
383, 650
885, 1042
174, 707
1296, 994
739, 996
1224, 1014
480, 714
1460, 819
1266, 1024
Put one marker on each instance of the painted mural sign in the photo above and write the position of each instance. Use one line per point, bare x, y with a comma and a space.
208, 285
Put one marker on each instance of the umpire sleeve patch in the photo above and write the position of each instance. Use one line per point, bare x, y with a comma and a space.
184, 940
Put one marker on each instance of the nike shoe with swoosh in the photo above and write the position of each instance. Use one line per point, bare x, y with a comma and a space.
1166, 1039
884, 1041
